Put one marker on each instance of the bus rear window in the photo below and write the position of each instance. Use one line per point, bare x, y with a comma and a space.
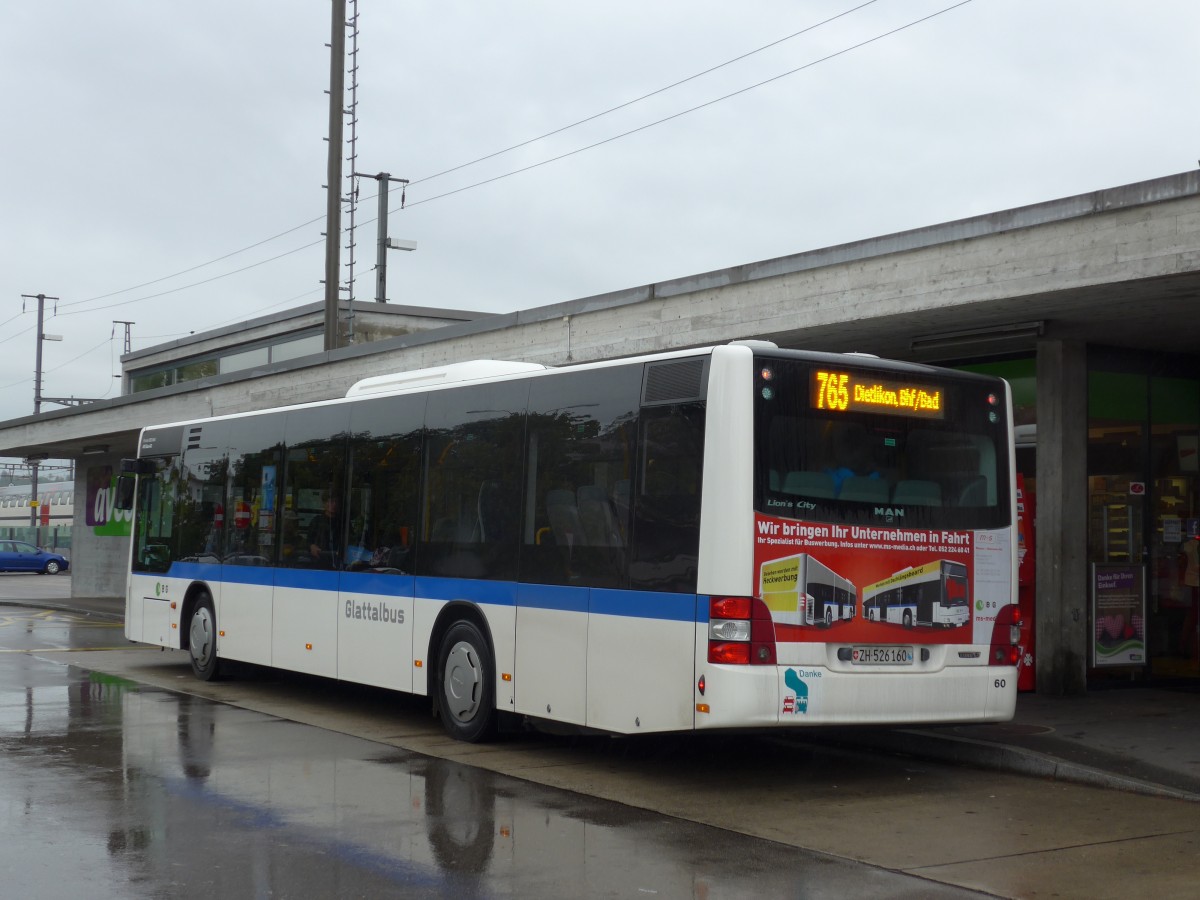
859, 445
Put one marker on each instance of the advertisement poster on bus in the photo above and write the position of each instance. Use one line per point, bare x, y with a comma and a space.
876, 585
1119, 614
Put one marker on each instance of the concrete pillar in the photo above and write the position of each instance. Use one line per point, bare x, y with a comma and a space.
1062, 576
100, 534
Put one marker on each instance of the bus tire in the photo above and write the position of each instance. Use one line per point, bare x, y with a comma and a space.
466, 684
908, 618
202, 638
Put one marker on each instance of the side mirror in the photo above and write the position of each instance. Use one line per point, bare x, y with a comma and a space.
126, 485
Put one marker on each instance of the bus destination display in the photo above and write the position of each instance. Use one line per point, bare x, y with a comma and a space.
851, 392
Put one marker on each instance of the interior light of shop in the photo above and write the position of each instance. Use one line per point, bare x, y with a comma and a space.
973, 337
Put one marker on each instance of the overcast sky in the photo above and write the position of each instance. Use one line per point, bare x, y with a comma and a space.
147, 140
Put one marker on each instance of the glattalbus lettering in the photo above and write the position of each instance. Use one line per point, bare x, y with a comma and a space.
378, 611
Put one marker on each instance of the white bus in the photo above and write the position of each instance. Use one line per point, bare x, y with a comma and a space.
584, 545
936, 593
801, 590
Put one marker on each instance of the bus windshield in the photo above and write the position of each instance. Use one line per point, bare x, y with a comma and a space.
882, 444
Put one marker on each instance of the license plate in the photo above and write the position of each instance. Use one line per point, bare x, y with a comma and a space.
881, 656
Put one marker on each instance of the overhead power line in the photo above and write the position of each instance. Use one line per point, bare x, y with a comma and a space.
654, 93
536, 165
682, 113
461, 166
198, 265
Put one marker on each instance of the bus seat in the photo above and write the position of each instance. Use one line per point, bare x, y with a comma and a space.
864, 489
443, 531
491, 510
596, 516
620, 499
809, 484
564, 517
974, 492
917, 493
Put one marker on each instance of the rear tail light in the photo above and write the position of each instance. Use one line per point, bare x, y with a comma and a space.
740, 632
1006, 635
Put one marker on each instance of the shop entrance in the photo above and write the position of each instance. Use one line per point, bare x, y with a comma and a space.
1143, 506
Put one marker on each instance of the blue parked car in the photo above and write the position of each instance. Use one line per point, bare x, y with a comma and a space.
18, 556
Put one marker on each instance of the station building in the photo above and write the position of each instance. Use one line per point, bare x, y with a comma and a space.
1089, 306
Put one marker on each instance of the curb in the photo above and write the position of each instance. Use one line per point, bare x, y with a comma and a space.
1006, 758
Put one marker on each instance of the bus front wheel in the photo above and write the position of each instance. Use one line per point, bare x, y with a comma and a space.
466, 686
202, 638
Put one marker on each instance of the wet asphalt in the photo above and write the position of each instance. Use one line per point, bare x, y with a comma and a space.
110, 788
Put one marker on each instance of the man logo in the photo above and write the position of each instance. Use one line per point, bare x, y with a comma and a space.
889, 512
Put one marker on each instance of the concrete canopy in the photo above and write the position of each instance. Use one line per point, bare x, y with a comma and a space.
1117, 267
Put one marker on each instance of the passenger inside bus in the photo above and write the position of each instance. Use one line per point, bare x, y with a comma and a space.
324, 534
854, 461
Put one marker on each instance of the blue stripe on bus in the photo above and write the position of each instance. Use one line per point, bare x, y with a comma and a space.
308, 579
195, 571
645, 605
553, 596
499, 593
392, 585
602, 601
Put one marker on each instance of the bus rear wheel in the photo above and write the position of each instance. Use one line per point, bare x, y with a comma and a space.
202, 639
466, 686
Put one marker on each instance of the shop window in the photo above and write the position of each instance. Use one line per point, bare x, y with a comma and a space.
195, 370
247, 359
152, 380
305, 346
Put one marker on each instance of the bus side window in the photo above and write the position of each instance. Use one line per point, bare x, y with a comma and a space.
666, 517
255, 455
474, 450
385, 483
201, 523
310, 505
579, 458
